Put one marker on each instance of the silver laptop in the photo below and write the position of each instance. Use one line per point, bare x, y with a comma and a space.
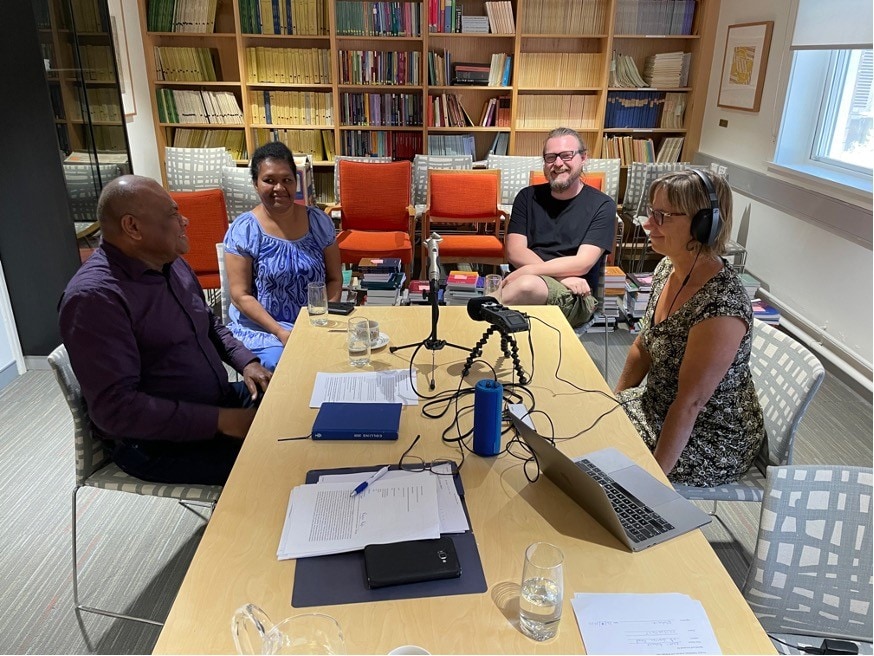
621, 495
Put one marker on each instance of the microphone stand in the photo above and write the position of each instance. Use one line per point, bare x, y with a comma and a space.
433, 343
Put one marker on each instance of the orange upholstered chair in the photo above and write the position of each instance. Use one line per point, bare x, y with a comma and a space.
376, 217
207, 224
466, 198
594, 179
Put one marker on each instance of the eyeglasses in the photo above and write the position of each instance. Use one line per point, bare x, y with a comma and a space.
659, 217
416, 464
566, 156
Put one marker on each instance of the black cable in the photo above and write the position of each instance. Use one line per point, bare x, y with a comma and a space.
807, 650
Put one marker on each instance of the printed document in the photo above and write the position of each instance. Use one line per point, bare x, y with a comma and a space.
323, 519
669, 623
391, 386
449, 506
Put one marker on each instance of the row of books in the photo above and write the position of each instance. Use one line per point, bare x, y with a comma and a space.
629, 150
319, 144
184, 64
500, 144
444, 16
195, 16
654, 17
233, 140
379, 18
439, 68
288, 65
193, 106
579, 112
380, 67
292, 107
670, 150
558, 70
381, 109
87, 16
96, 62
446, 111
103, 105
673, 110
496, 112
624, 73
499, 70
562, 17
452, 144
636, 109
380, 143
302, 17
500, 14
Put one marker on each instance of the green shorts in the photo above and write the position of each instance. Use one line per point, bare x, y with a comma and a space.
578, 309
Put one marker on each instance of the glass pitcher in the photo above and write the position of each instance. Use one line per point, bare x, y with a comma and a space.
311, 633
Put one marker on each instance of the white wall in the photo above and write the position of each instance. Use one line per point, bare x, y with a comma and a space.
140, 127
823, 277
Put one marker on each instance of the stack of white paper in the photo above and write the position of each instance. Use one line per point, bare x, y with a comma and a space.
389, 386
324, 519
669, 623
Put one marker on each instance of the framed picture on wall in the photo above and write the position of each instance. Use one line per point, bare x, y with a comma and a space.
744, 64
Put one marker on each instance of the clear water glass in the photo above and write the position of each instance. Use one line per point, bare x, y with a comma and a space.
492, 287
542, 592
358, 342
317, 303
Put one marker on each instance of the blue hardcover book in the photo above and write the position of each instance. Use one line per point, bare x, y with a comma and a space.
357, 421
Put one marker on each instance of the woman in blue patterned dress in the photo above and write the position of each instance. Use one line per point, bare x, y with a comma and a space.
272, 253
697, 410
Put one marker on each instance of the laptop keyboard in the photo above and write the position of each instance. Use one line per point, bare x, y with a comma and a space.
639, 520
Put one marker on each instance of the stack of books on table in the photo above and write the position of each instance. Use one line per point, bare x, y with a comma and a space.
614, 291
383, 279
461, 286
751, 285
766, 313
638, 287
417, 293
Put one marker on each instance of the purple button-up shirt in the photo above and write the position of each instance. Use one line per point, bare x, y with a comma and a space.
146, 348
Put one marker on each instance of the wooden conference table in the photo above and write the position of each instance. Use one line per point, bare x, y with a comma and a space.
236, 561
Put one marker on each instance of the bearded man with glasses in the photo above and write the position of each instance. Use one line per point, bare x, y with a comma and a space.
557, 233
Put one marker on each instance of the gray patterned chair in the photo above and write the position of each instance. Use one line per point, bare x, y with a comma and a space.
194, 169
225, 292
95, 468
240, 195
812, 570
786, 376
610, 168
421, 164
515, 171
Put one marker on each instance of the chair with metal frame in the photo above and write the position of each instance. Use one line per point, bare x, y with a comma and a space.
786, 375
195, 169
812, 565
95, 468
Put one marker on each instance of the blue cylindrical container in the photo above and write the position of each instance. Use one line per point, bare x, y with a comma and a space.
487, 405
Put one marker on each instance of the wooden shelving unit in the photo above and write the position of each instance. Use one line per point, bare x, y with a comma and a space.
228, 47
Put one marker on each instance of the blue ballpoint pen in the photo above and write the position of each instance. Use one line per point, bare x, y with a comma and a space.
363, 486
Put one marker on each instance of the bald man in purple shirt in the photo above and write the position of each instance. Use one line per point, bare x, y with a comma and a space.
148, 350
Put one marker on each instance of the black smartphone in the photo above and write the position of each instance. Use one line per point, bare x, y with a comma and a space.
336, 307
410, 562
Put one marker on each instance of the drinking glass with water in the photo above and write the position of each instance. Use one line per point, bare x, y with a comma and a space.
317, 303
542, 591
358, 342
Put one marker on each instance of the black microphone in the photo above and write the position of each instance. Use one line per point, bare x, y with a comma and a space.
486, 308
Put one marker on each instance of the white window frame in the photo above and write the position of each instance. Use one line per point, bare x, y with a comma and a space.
807, 105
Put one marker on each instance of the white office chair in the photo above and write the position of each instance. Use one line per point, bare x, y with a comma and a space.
812, 568
786, 376
94, 468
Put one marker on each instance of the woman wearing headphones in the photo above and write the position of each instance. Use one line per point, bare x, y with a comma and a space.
698, 411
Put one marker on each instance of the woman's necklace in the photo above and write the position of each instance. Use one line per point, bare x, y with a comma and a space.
685, 282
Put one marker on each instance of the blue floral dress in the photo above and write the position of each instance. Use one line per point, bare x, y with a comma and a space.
281, 271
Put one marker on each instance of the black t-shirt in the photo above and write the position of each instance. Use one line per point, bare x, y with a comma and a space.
557, 228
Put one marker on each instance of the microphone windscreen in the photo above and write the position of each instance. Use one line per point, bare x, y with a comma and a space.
474, 307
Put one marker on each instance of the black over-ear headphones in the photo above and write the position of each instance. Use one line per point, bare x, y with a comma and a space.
706, 222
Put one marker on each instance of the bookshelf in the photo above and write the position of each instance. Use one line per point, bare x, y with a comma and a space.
360, 77
81, 75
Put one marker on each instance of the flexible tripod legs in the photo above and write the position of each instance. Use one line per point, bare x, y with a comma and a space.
508, 347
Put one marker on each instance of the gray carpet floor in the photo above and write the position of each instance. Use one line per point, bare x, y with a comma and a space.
134, 551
